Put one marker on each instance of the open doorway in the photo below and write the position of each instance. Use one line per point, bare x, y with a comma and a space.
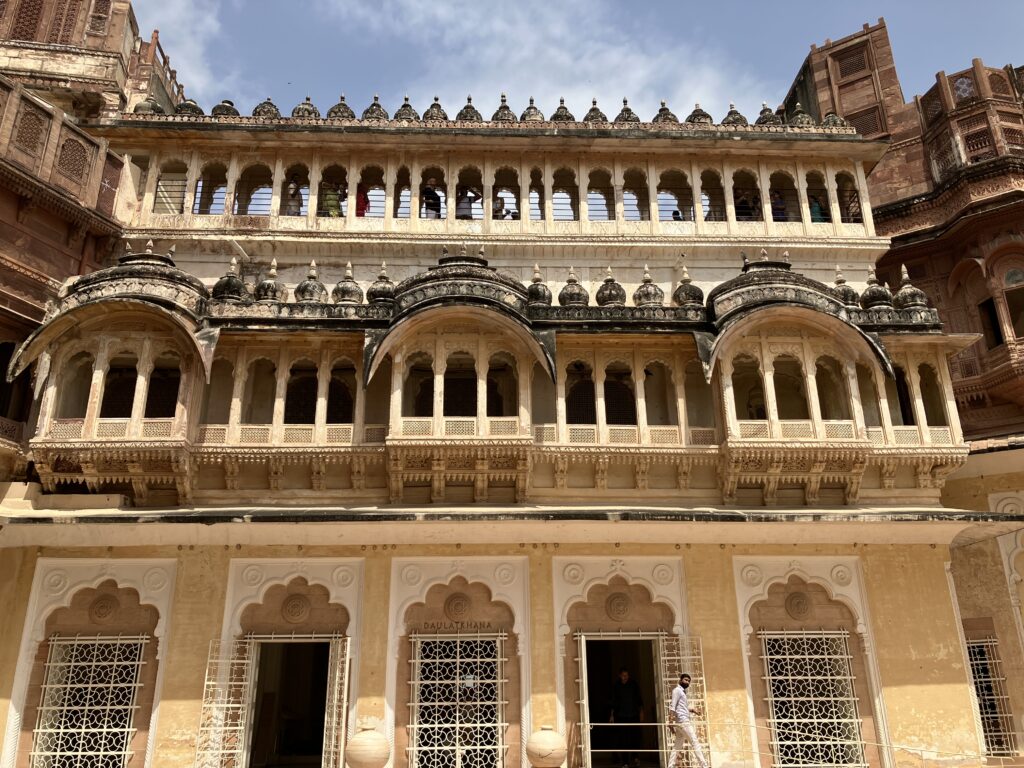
290, 705
623, 703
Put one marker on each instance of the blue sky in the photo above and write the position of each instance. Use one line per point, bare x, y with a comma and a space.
713, 51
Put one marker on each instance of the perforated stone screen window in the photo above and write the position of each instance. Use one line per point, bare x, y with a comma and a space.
457, 701
867, 123
993, 702
108, 185
88, 702
31, 129
852, 62
812, 704
963, 88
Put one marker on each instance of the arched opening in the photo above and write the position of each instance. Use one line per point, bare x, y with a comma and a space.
433, 194
712, 196
833, 398
700, 405
170, 188
600, 196
790, 392
469, 195
164, 382
565, 196
675, 197
260, 391
254, 191
636, 198
502, 386
580, 401
901, 405
868, 397
506, 194
119, 386
295, 191
300, 394
211, 190
660, 395
16, 397
371, 193
536, 195
783, 197
403, 194
418, 392
543, 407
849, 199
817, 199
1013, 287
332, 199
341, 393
619, 397
377, 400
748, 389
75, 384
217, 402
746, 196
460, 385
932, 397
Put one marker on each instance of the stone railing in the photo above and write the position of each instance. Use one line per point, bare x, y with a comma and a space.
11, 430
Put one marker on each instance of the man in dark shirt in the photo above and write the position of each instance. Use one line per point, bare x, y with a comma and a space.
627, 709
431, 200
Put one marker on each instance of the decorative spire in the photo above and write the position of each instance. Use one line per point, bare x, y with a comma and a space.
648, 294
341, 111
469, 113
375, 111
627, 115
406, 112
909, 296
311, 290
504, 114
595, 115
382, 290
531, 113
767, 116
347, 291
435, 111
876, 294
306, 109
268, 289
562, 114
266, 108
686, 293
665, 115
230, 288
733, 117
699, 116
537, 293
764, 254
610, 293
573, 294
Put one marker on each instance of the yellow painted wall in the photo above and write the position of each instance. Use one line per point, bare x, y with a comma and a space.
972, 492
17, 567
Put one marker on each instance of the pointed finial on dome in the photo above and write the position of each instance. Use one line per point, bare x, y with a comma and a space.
572, 275
272, 272
684, 275
127, 246
348, 270
469, 99
608, 274
480, 252
531, 101
444, 250
594, 101
904, 274
732, 105
561, 102
149, 246
376, 99
840, 280
233, 266
462, 250
746, 261
764, 255
536, 273
383, 270
504, 99
872, 279
647, 274
312, 269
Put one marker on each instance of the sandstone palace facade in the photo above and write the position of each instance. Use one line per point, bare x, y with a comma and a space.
390, 440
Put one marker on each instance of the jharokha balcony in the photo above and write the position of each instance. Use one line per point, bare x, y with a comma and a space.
463, 384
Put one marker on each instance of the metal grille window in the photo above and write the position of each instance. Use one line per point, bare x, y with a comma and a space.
457, 701
811, 700
88, 702
993, 702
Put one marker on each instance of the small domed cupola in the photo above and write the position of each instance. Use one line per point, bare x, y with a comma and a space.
469, 113
270, 289
504, 113
573, 294
648, 293
627, 115
148, 106
375, 111
699, 116
610, 294
347, 291
844, 292
686, 293
230, 288
266, 108
832, 120
801, 119
767, 116
876, 294
381, 290
538, 294
435, 112
531, 114
562, 114
909, 296
341, 111
310, 290
306, 109
189, 107
665, 115
406, 112
594, 114
226, 108
733, 117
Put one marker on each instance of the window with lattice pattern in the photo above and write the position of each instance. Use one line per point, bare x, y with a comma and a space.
457, 702
963, 87
1014, 136
852, 62
866, 123
30, 135
108, 185
997, 82
73, 160
86, 715
812, 703
973, 122
931, 105
993, 701
99, 17
26, 20
65, 18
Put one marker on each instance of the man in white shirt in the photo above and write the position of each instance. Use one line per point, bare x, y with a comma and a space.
683, 726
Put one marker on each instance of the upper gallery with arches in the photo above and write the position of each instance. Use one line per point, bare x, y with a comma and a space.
462, 382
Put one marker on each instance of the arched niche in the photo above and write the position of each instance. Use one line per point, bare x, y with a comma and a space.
297, 607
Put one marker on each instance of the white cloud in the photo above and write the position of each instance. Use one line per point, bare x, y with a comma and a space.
575, 49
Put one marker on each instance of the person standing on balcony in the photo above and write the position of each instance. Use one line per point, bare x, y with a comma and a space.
467, 196
292, 198
431, 200
682, 728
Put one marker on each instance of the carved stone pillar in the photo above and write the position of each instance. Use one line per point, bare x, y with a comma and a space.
766, 204
190, 183
99, 374
639, 385
679, 384
186, 388
352, 176
323, 383
280, 393
652, 197
390, 182
143, 371
883, 405
415, 171
856, 406
440, 365
232, 183
549, 213
237, 393
833, 197
914, 383
359, 405
524, 379
732, 426
452, 193
315, 175
149, 193
397, 379
698, 199
801, 193
560, 422
602, 416
865, 201
812, 401
730, 202
275, 192
583, 176
481, 390
949, 400
771, 405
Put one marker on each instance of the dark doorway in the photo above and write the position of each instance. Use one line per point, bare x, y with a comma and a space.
289, 705
622, 743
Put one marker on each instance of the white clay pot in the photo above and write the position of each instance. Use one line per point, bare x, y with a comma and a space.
546, 748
